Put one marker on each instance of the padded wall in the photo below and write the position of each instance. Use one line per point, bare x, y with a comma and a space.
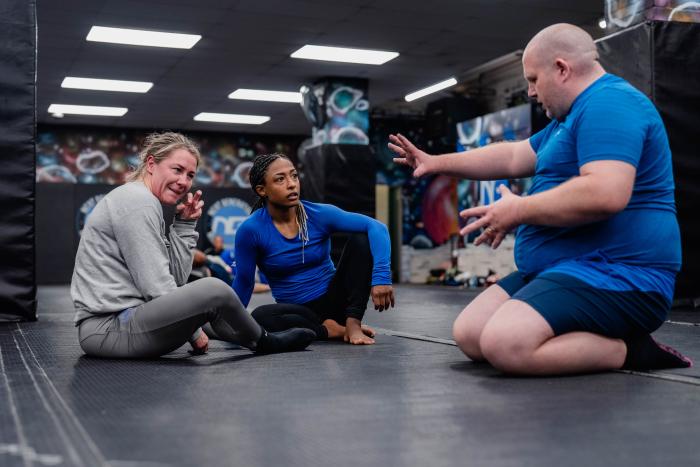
17, 144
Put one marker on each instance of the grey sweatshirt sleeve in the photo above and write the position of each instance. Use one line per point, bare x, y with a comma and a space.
183, 238
139, 234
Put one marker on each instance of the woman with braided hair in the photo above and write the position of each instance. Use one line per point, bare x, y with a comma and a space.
289, 240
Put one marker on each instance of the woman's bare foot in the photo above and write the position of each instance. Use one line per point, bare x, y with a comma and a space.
354, 334
337, 331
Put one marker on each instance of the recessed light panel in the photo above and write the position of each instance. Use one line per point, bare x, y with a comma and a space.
262, 95
142, 37
87, 110
231, 118
73, 82
430, 89
346, 55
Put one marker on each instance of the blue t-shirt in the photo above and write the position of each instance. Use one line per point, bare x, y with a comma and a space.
296, 274
637, 248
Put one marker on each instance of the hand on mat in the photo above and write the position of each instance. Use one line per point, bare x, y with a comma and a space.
409, 154
354, 334
201, 345
382, 297
191, 207
497, 219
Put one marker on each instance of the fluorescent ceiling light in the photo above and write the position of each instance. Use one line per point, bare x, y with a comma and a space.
141, 37
342, 54
87, 110
430, 89
262, 95
105, 84
231, 118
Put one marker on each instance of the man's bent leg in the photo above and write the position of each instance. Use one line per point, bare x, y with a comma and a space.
518, 340
470, 323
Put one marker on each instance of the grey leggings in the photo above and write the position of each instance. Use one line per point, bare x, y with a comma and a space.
164, 324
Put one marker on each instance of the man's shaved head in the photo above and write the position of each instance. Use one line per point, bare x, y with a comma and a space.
559, 63
564, 41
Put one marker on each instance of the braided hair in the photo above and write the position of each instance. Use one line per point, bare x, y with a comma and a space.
257, 177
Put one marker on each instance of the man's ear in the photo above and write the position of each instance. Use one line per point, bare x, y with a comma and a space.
563, 68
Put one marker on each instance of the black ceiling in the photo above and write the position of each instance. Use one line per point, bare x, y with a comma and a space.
247, 43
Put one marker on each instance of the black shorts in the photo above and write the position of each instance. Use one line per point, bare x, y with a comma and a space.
569, 304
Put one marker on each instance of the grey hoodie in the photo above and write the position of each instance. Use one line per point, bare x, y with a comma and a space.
124, 258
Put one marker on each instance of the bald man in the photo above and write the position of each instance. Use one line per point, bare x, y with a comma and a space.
597, 240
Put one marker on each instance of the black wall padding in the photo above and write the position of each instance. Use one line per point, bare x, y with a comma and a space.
55, 232
343, 175
662, 60
340, 174
17, 144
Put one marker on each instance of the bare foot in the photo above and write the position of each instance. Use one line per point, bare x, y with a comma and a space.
335, 330
354, 334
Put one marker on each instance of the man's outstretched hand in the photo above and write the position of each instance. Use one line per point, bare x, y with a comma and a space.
409, 155
497, 219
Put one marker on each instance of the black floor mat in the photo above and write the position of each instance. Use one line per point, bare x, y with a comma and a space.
401, 402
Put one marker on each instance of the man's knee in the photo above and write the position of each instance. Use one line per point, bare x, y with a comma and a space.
465, 333
504, 349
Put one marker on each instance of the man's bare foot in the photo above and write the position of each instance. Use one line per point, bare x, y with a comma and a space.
368, 331
354, 334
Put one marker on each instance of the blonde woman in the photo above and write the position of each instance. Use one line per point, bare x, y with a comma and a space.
129, 283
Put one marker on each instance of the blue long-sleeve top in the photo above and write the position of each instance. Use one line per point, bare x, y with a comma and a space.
296, 274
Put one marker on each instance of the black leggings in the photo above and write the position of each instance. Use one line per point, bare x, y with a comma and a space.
346, 296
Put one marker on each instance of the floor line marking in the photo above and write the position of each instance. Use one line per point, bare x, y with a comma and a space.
656, 375
417, 337
66, 408
21, 438
72, 451
682, 323
665, 376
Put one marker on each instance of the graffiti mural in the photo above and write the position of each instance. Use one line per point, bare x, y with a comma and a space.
512, 124
620, 14
338, 109
67, 155
388, 172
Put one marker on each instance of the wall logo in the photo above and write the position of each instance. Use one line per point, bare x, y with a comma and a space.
225, 217
84, 212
